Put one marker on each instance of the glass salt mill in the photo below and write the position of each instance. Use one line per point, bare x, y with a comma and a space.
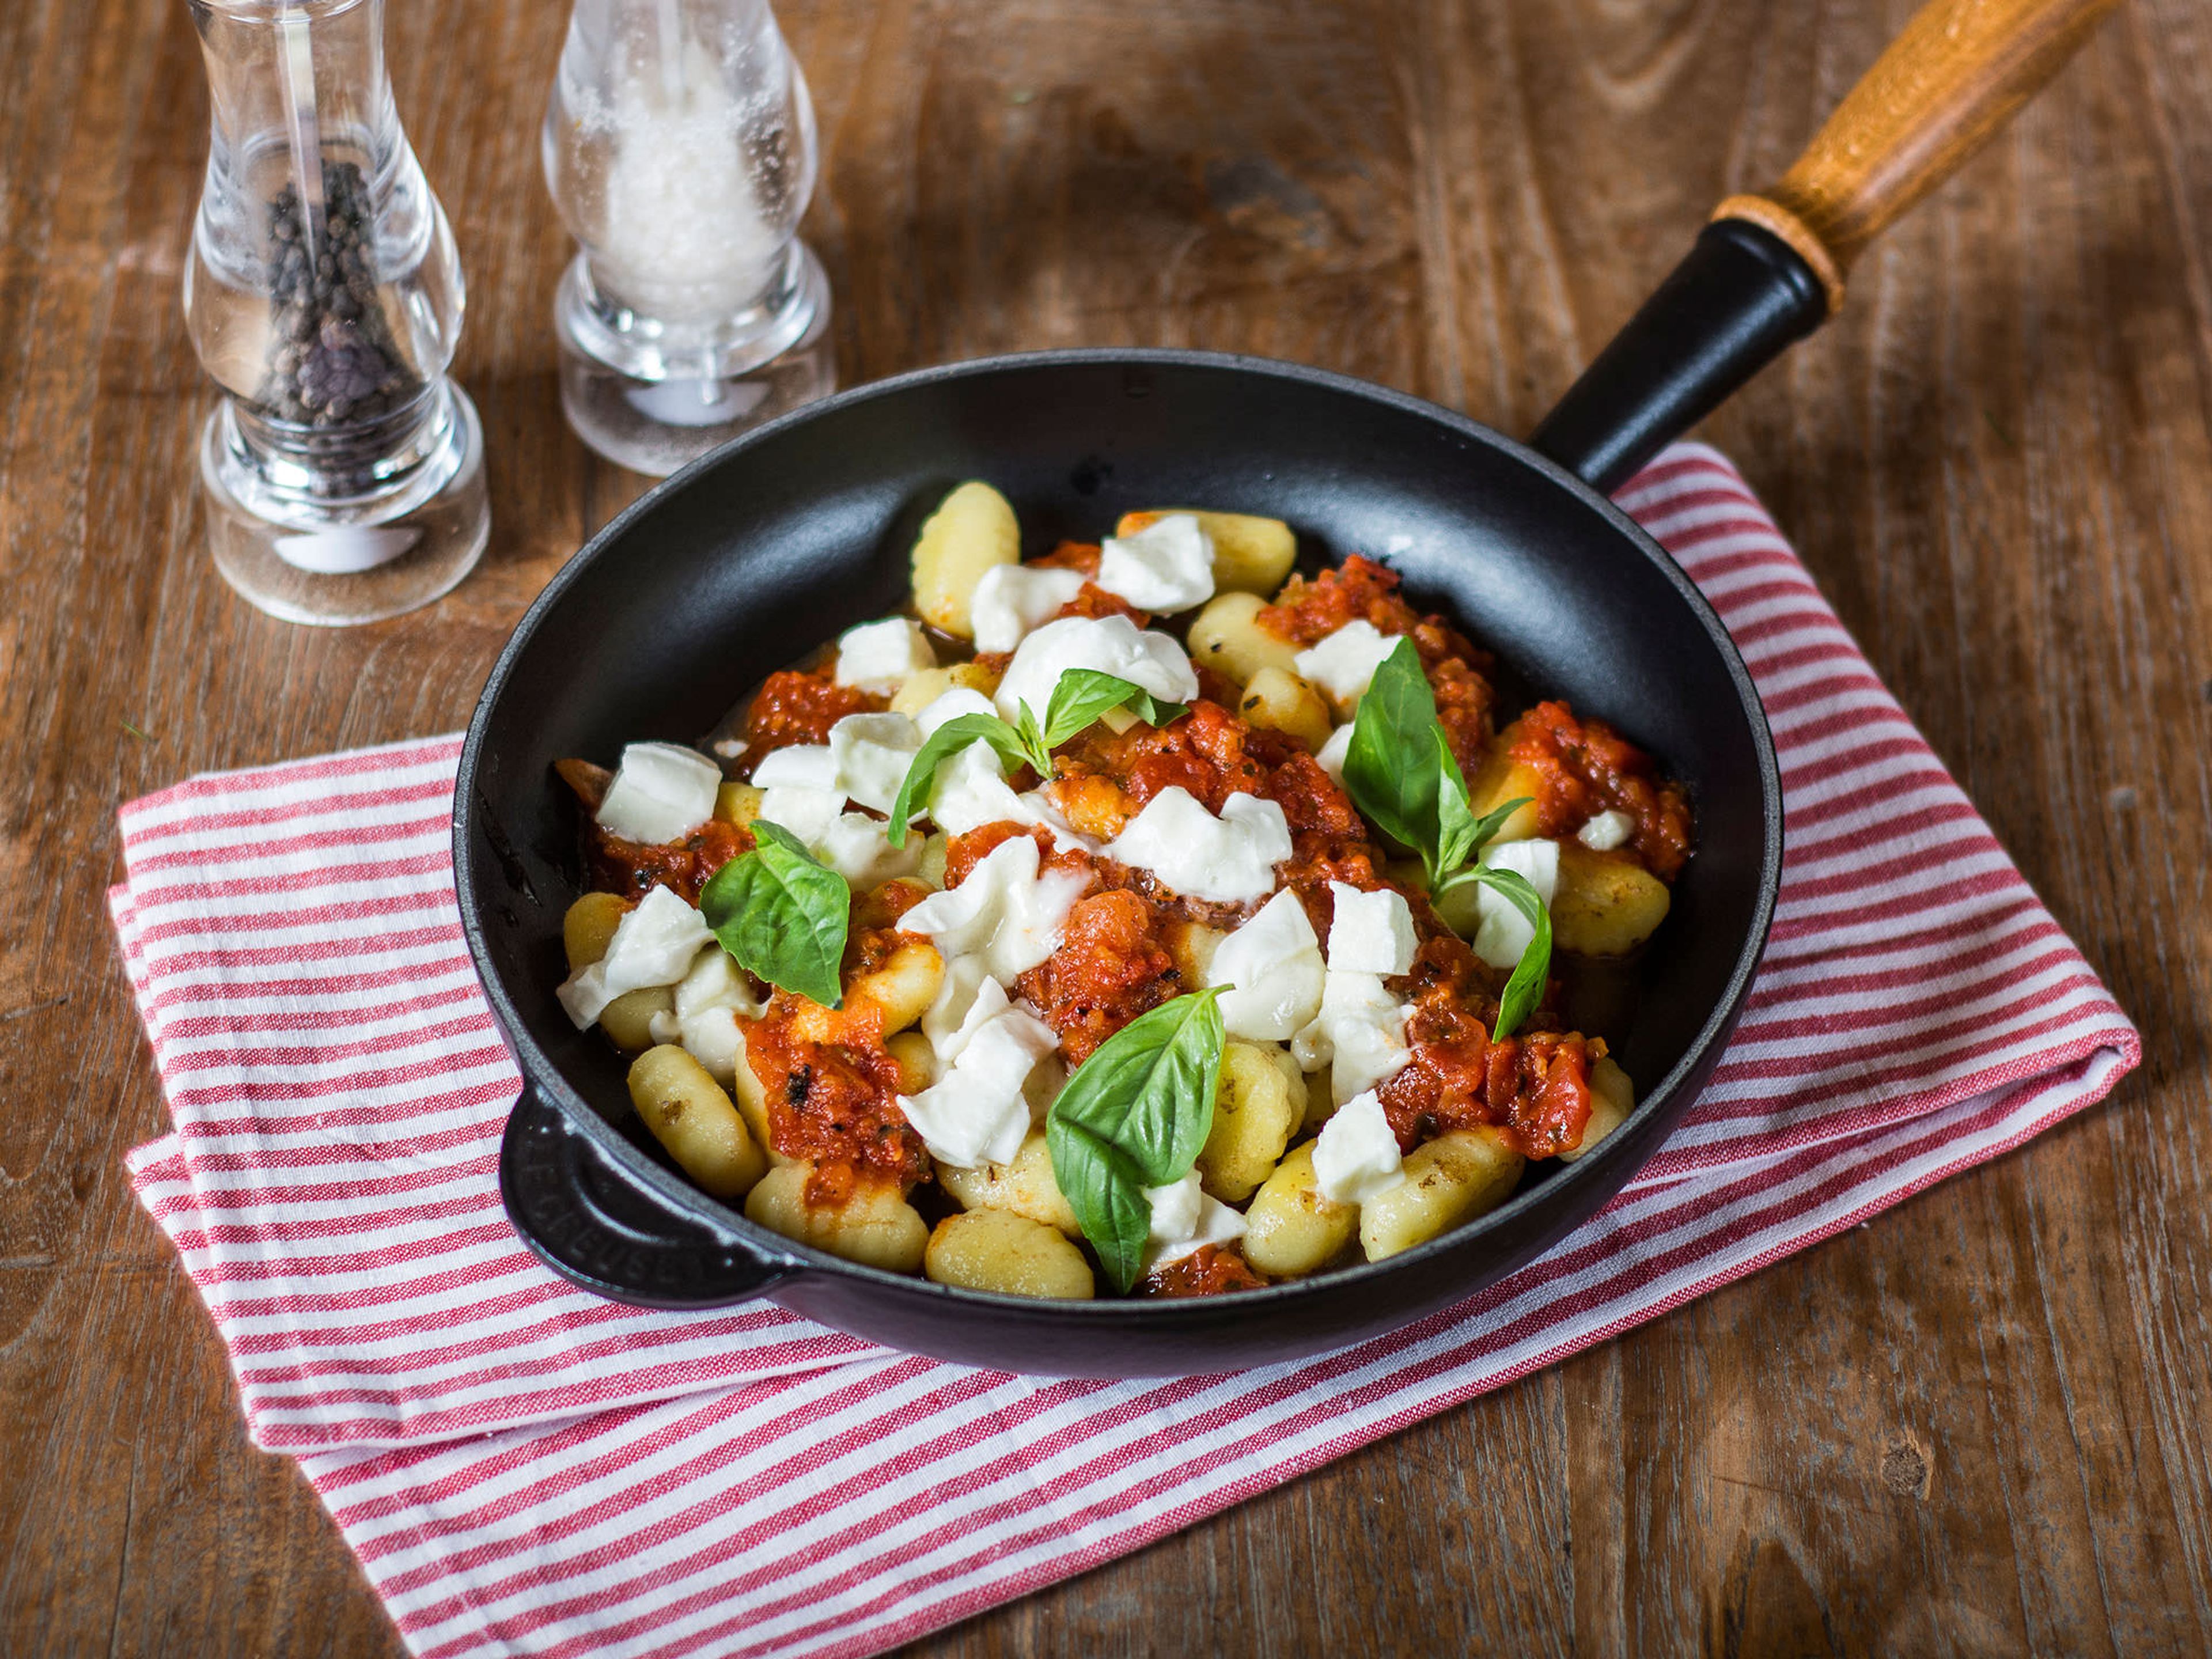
343, 474
679, 147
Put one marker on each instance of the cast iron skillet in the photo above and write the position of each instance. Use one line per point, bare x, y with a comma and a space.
773, 543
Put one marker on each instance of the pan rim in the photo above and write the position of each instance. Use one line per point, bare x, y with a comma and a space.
541, 1075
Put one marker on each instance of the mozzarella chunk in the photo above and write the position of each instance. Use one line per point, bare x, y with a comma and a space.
1371, 932
970, 790
661, 792
961, 993
1608, 829
1344, 663
1113, 644
715, 981
1273, 966
714, 1038
873, 754
1014, 599
804, 811
652, 944
1357, 1158
960, 700
1006, 911
798, 765
1184, 1218
858, 848
878, 656
1331, 757
1360, 1034
1167, 566
1231, 858
978, 1113
1502, 933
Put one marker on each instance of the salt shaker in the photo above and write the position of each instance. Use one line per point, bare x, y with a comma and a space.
679, 147
343, 472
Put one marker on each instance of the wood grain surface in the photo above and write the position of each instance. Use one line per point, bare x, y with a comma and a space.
1977, 1426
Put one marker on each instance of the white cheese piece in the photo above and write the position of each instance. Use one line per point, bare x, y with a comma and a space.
652, 944
801, 765
1608, 829
873, 754
960, 700
878, 656
664, 1027
1360, 1034
1371, 932
1344, 663
804, 811
1113, 644
661, 792
728, 748
1183, 1219
714, 1037
958, 995
1501, 932
716, 981
1274, 967
1357, 1158
1167, 566
978, 1113
1006, 911
1330, 759
858, 848
970, 790
1014, 599
1231, 858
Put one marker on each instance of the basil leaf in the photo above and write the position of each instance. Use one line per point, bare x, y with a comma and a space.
1391, 768
1526, 988
782, 916
1035, 749
1085, 694
948, 740
1456, 827
1106, 1191
1146, 1098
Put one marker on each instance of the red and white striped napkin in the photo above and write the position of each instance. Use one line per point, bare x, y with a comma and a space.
524, 1469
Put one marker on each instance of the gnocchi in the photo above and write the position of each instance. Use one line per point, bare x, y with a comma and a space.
973, 530
997, 1250
695, 1120
1449, 1182
874, 1227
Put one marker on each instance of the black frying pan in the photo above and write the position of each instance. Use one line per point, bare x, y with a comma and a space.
744, 560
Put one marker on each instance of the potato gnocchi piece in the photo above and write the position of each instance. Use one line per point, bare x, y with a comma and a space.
1605, 905
920, 690
589, 928
997, 1250
1254, 1114
738, 804
1499, 779
1279, 699
875, 1227
1292, 1226
1024, 1184
689, 1115
917, 1061
902, 987
1226, 637
1449, 1182
1251, 554
973, 529
628, 1020
1612, 1098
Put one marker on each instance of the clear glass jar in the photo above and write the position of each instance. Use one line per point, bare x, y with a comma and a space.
679, 147
343, 470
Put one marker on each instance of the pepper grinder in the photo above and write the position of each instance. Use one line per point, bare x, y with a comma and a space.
343, 472
679, 147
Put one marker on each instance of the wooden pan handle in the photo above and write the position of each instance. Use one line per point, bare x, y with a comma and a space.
1959, 71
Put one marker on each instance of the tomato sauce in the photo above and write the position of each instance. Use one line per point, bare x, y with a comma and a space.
1587, 768
795, 707
1209, 1270
1113, 964
834, 1104
631, 867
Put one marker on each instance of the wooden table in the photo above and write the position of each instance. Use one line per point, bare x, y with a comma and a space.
1976, 1426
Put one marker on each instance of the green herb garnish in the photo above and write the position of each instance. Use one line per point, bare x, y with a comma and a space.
1135, 1115
1082, 697
781, 914
1400, 772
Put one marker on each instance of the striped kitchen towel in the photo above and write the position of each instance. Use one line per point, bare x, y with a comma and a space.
524, 1469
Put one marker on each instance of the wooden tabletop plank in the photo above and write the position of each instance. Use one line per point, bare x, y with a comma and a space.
1974, 1426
